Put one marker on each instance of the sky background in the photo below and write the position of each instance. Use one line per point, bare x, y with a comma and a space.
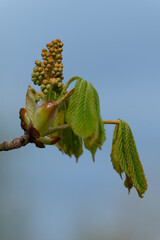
115, 45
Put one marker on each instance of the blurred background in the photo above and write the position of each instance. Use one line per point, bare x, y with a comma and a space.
115, 45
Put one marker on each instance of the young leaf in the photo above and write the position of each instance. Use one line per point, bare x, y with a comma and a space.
114, 153
120, 147
124, 157
134, 165
96, 144
81, 113
98, 135
69, 143
96, 139
31, 102
118, 156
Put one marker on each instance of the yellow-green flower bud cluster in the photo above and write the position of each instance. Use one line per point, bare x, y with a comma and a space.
49, 73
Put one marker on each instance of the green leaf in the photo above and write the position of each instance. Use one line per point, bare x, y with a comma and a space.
31, 102
81, 113
134, 164
114, 153
96, 140
69, 143
125, 158
120, 147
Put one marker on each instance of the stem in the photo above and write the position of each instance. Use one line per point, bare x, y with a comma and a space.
110, 121
58, 128
24, 140
15, 143
65, 126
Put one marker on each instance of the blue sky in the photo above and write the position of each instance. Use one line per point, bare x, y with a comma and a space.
115, 46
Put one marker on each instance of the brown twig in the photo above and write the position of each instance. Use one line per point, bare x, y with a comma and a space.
15, 143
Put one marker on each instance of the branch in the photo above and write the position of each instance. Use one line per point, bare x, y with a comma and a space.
15, 143
25, 139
